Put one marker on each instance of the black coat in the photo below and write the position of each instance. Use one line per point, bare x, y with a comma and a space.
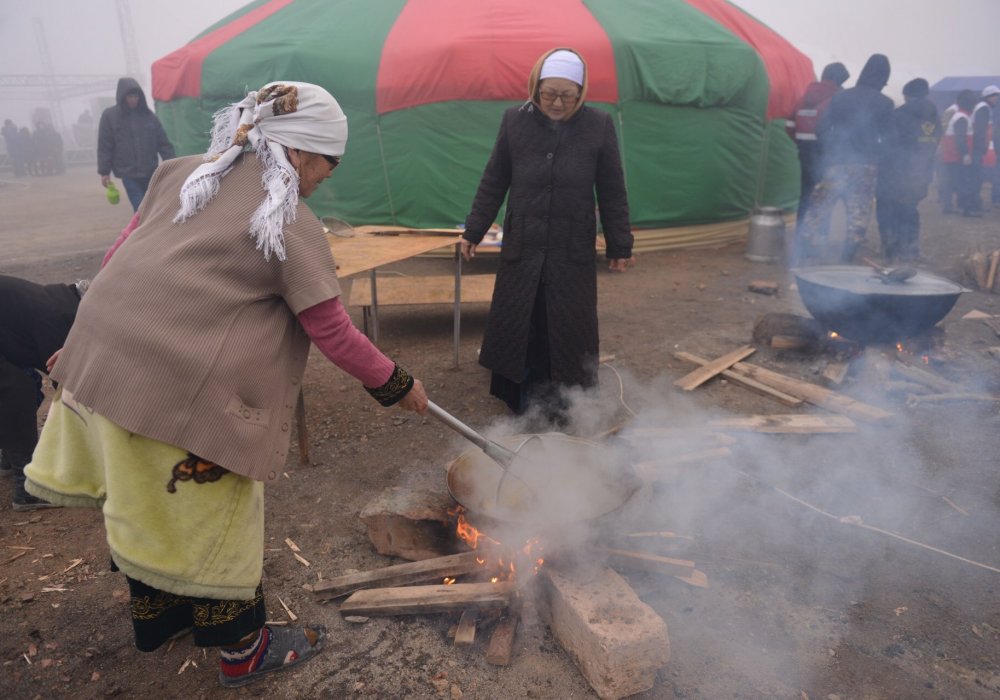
858, 122
907, 168
551, 171
130, 142
34, 322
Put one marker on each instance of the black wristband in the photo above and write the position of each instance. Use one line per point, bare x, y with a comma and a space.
398, 385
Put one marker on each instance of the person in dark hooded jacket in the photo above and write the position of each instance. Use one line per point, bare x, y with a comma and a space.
906, 171
130, 141
856, 125
803, 123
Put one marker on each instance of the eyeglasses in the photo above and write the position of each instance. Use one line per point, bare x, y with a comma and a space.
567, 98
334, 161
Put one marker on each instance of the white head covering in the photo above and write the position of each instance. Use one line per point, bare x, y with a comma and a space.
563, 64
991, 90
297, 115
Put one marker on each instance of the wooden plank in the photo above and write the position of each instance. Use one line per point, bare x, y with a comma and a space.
922, 376
421, 600
465, 633
666, 467
691, 438
763, 287
991, 276
787, 423
813, 393
431, 289
745, 382
696, 378
501, 647
399, 575
835, 372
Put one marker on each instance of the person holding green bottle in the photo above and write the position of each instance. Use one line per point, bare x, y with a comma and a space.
130, 142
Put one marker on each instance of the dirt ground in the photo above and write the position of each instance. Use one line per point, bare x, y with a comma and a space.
799, 604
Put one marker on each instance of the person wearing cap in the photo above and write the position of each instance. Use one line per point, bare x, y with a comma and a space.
802, 128
984, 155
550, 157
905, 173
856, 125
130, 141
955, 153
181, 372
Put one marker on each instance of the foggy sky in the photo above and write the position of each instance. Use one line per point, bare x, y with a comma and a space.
925, 38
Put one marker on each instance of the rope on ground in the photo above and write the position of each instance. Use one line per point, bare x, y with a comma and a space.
621, 389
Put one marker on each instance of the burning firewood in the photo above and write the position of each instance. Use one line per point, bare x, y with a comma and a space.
399, 575
421, 600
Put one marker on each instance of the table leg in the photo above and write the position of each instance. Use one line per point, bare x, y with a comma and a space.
374, 311
458, 299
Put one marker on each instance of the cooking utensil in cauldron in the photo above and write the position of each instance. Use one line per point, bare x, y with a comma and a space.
891, 275
582, 481
850, 300
501, 456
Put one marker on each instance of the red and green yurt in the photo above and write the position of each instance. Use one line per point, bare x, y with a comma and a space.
698, 89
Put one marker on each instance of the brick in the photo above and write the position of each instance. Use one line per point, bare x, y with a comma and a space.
617, 641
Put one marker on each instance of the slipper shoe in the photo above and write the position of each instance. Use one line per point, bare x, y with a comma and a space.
287, 647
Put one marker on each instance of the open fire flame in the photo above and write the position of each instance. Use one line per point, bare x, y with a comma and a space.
900, 348
506, 563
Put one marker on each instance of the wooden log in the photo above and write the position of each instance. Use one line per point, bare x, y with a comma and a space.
836, 372
791, 342
813, 393
745, 381
696, 378
465, 634
399, 575
922, 376
907, 388
979, 266
501, 647
421, 600
991, 276
764, 287
644, 561
787, 423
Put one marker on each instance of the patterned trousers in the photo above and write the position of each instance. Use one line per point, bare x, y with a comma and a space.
855, 184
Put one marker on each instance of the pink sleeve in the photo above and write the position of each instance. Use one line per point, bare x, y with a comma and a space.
330, 328
126, 232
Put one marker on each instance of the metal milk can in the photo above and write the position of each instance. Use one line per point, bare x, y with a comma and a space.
766, 238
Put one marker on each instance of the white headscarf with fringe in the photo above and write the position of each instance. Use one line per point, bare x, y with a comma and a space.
284, 113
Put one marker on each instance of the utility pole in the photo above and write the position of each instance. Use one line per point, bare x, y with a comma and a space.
49, 73
133, 67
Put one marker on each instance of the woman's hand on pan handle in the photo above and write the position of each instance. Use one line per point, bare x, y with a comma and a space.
415, 399
620, 264
468, 249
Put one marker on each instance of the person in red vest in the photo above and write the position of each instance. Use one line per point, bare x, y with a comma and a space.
802, 125
984, 155
956, 153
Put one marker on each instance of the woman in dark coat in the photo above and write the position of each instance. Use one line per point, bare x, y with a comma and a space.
551, 155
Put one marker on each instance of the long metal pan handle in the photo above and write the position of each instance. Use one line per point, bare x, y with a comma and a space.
496, 452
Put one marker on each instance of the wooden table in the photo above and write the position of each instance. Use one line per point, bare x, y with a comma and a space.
365, 252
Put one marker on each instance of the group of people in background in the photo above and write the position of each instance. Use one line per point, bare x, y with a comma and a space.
34, 153
855, 145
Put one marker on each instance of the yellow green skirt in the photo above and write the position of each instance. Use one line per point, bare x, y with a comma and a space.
173, 521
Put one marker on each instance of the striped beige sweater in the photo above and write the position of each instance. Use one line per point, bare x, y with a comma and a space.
189, 335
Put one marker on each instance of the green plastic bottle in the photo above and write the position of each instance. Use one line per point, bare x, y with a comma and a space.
112, 192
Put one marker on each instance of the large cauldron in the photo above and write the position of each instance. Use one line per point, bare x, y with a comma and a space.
861, 305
